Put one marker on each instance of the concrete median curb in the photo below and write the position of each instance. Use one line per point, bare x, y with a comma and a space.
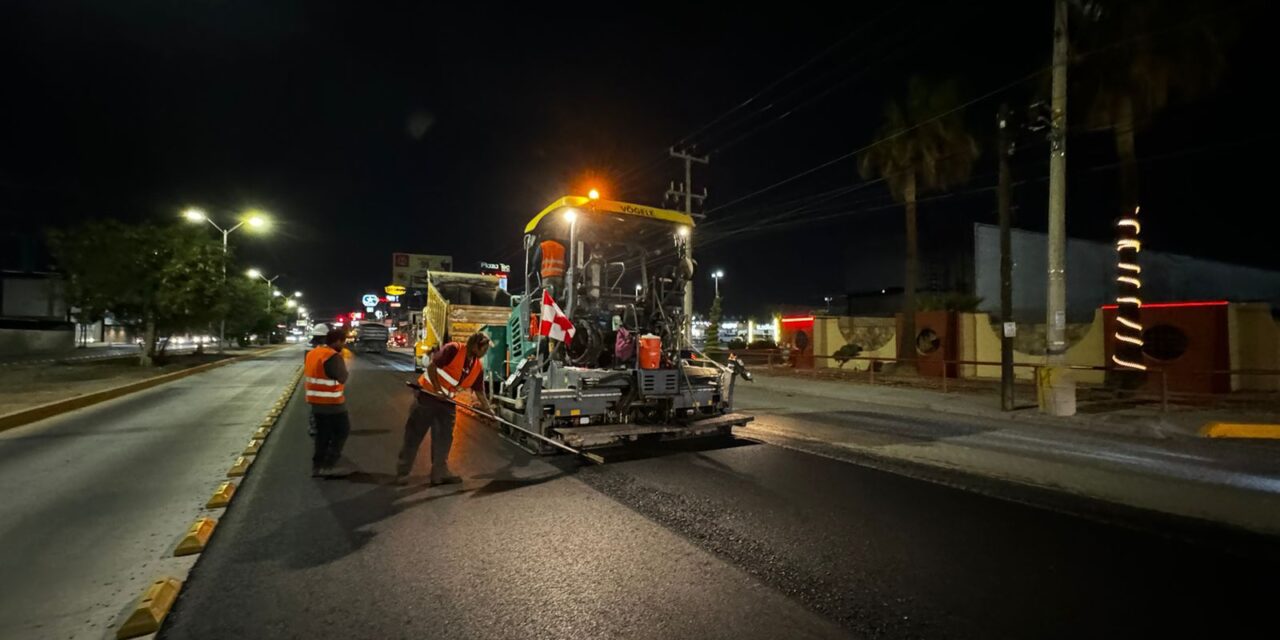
196, 538
58, 407
151, 609
1241, 430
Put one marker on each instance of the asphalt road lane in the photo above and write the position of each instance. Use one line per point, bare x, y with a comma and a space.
94, 500
519, 550
731, 540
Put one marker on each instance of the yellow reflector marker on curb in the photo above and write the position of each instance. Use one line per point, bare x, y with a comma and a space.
253, 447
151, 610
221, 497
239, 468
1240, 430
197, 537
262, 432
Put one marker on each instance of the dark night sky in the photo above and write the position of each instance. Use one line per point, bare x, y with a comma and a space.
137, 109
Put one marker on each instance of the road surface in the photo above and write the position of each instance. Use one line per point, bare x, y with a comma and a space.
733, 539
93, 502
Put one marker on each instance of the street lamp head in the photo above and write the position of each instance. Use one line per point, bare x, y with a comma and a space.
593, 194
253, 273
570, 215
683, 231
194, 215
718, 274
276, 293
297, 294
291, 304
256, 221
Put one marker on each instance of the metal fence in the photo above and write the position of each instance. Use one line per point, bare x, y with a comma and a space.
1155, 390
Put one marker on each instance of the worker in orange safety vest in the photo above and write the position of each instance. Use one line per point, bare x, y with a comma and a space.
553, 265
456, 367
325, 381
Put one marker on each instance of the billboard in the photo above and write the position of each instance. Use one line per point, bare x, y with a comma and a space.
410, 269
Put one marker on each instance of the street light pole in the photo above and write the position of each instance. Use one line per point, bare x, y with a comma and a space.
196, 215
716, 276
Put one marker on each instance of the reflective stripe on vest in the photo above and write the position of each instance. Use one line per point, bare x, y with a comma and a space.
451, 372
320, 388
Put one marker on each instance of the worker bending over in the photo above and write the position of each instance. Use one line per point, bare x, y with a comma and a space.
456, 367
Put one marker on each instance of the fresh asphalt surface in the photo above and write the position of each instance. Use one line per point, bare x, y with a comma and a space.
92, 502
728, 539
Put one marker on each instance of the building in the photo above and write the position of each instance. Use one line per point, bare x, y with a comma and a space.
33, 314
971, 269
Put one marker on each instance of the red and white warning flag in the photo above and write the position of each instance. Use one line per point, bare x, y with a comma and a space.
555, 324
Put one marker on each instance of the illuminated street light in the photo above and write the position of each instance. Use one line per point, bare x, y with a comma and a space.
297, 294
271, 291
570, 215
683, 231
254, 220
276, 293
593, 194
716, 276
291, 304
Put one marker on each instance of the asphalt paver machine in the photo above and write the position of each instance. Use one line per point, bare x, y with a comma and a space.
618, 271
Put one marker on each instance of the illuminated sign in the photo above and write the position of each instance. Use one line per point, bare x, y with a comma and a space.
394, 290
369, 299
410, 270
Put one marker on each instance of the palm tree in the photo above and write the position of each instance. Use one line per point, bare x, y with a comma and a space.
1134, 58
922, 146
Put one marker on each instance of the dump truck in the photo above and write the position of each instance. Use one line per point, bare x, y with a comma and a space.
371, 337
629, 373
458, 305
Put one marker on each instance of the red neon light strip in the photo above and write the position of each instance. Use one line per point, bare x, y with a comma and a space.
1168, 305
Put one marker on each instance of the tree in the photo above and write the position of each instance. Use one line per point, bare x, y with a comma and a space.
162, 279
1137, 56
713, 328
246, 312
923, 146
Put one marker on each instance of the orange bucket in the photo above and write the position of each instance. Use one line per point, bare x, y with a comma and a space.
650, 351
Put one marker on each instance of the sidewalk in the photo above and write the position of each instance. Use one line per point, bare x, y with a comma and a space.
1142, 421
29, 384
1136, 458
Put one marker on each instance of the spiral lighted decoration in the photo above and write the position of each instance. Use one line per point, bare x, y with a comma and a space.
1129, 290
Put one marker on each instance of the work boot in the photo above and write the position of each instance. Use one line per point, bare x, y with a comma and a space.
339, 471
444, 478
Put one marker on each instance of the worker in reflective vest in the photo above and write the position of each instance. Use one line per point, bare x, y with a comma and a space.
553, 265
325, 379
455, 368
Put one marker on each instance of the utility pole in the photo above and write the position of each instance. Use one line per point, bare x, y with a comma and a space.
686, 191
1003, 151
1059, 391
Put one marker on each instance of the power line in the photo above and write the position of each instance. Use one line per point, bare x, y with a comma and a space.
785, 77
892, 136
